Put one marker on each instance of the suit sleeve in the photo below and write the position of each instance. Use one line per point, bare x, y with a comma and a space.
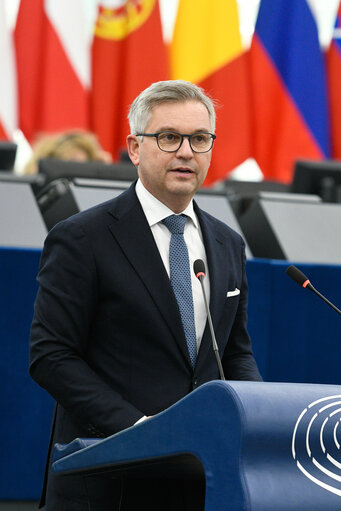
64, 308
238, 360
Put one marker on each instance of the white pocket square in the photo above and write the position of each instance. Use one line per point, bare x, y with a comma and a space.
233, 293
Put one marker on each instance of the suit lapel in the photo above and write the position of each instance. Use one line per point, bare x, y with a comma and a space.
130, 228
215, 246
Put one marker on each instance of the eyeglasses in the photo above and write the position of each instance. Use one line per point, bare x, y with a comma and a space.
170, 141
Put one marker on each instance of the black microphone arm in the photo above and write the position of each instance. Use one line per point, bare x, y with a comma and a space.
199, 270
303, 281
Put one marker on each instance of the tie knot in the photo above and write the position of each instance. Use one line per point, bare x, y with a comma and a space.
175, 223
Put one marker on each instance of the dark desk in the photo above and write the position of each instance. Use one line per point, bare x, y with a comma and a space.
296, 338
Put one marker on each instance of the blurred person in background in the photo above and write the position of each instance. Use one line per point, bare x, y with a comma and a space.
75, 145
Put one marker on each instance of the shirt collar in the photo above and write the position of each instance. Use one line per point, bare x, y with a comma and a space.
156, 211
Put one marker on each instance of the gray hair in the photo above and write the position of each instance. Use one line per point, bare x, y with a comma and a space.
170, 91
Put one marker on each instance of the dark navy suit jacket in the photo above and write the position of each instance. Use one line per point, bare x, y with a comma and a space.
107, 340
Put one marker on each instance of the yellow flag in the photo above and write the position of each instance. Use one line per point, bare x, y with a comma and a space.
206, 37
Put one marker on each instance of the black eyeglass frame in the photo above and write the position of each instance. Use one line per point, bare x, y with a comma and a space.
189, 136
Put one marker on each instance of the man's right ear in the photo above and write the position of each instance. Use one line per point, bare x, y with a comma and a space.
133, 145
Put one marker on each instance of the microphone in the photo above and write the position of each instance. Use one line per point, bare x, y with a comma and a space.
199, 270
303, 281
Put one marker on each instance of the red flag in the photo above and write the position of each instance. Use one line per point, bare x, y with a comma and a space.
128, 55
334, 85
53, 76
229, 86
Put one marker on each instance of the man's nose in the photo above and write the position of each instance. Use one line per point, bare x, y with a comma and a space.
185, 150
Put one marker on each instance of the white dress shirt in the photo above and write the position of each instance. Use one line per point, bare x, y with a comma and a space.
155, 212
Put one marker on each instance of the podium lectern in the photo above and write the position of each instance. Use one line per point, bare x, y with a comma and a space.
260, 446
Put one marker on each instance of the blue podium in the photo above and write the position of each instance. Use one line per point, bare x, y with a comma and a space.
260, 446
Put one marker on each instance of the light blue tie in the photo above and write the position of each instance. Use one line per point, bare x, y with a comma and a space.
180, 276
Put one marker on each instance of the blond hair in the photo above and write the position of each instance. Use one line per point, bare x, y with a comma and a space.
60, 146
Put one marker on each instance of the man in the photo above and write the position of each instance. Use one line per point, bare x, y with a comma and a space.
112, 336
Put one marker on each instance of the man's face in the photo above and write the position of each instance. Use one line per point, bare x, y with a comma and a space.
173, 178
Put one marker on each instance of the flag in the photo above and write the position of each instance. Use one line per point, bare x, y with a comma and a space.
52, 51
8, 99
288, 83
128, 54
334, 86
207, 50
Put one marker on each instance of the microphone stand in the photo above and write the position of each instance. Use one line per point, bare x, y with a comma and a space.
311, 287
214, 342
